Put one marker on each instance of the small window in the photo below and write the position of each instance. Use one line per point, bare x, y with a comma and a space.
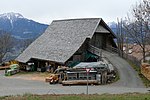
70, 78
81, 78
89, 78
74, 78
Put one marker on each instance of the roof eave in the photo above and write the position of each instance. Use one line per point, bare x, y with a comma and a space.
114, 36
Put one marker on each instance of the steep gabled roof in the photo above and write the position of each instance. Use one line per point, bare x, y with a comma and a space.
61, 40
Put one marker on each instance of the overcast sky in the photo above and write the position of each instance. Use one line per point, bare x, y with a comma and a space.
44, 11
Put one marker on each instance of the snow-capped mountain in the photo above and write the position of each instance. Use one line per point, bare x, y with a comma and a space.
11, 16
113, 26
20, 27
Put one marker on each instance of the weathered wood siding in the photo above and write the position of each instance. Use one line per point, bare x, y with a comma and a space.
99, 40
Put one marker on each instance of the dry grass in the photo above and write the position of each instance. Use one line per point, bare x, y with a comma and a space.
31, 75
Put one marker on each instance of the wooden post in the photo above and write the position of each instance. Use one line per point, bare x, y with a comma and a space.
87, 83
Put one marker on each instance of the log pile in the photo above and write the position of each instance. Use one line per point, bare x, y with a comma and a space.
145, 70
79, 82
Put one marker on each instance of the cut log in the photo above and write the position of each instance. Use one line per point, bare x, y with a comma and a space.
79, 82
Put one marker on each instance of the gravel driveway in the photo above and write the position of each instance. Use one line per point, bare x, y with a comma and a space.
128, 76
15, 86
129, 82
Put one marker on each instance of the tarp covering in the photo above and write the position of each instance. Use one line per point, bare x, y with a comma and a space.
91, 64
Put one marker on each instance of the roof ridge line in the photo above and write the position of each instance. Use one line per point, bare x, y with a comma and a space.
76, 19
97, 25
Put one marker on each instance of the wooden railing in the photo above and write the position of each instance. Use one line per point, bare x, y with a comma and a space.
112, 49
98, 51
95, 50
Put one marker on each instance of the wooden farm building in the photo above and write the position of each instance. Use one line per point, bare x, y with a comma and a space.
67, 42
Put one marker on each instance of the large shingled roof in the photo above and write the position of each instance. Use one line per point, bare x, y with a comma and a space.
61, 40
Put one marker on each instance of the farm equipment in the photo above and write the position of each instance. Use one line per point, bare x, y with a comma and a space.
57, 77
99, 73
14, 68
71, 76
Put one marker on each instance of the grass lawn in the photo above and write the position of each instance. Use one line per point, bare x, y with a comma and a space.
133, 96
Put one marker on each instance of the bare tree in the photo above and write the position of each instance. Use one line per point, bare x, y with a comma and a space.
6, 42
138, 25
120, 37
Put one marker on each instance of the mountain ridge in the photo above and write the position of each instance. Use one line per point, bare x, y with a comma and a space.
21, 27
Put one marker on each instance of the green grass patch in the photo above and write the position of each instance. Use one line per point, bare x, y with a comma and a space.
143, 78
117, 76
133, 96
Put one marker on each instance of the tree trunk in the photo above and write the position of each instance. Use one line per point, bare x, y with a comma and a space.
144, 54
1, 58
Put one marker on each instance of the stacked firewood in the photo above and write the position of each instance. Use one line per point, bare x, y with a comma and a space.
145, 70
